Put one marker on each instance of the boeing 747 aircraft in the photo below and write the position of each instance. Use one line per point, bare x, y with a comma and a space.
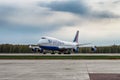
53, 44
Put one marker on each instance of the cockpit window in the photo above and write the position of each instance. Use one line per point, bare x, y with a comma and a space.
43, 38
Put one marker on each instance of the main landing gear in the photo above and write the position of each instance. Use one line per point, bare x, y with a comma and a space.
55, 52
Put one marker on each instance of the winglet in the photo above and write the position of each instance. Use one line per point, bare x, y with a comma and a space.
76, 37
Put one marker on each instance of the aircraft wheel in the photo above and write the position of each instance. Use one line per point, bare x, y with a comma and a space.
44, 52
59, 53
65, 53
68, 53
52, 53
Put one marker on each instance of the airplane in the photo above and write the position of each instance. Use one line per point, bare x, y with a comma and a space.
53, 44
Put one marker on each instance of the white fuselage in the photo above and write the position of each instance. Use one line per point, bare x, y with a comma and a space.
55, 44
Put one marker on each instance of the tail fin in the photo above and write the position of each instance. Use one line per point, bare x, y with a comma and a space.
76, 37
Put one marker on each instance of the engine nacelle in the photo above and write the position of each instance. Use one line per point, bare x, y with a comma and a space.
94, 49
40, 50
37, 50
76, 49
34, 49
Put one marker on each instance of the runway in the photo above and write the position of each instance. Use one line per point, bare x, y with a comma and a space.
57, 69
73, 54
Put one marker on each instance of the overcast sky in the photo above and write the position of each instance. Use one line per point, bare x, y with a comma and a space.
25, 21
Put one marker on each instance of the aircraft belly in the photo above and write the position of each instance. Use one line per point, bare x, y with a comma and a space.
49, 47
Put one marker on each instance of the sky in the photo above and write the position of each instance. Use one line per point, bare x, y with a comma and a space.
25, 21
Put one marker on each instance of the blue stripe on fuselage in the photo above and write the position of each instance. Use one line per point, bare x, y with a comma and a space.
49, 47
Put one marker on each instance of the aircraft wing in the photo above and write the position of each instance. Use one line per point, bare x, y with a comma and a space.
83, 44
34, 46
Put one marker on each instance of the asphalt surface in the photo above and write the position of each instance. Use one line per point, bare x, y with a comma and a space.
56, 69
73, 54
104, 76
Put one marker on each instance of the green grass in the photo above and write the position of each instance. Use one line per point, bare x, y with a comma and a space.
60, 57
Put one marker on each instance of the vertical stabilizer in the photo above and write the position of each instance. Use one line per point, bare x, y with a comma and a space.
76, 37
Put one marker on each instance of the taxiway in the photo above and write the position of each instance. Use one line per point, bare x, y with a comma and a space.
56, 69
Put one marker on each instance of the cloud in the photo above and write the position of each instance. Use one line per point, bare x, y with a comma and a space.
75, 6
6, 9
78, 7
28, 18
104, 14
116, 2
25, 22
69, 6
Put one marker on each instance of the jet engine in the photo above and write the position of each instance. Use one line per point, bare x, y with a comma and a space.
76, 49
40, 50
34, 49
94, 48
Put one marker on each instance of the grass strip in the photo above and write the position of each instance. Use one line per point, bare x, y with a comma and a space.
59, 57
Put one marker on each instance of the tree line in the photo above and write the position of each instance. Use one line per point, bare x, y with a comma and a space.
9, 48
101, 49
